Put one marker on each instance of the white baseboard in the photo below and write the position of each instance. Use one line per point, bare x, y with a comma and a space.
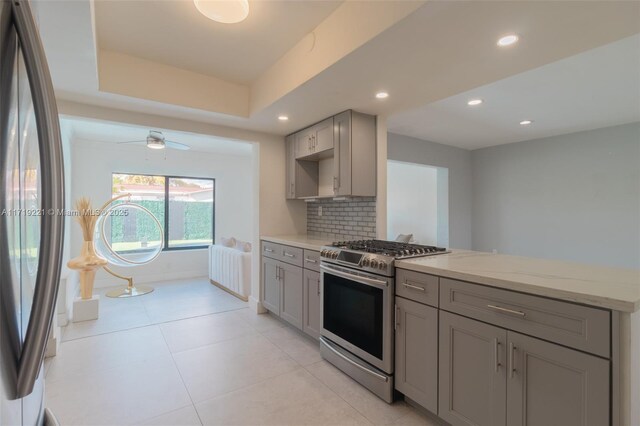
147, 278
256, 306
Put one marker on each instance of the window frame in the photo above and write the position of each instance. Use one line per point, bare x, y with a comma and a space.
165, 246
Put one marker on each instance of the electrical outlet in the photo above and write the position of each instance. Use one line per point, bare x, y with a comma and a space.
319, 210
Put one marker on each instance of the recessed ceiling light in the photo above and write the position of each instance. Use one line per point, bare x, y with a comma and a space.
508, 40
526, 122
382, 95
474, 102
226, 11
283, 118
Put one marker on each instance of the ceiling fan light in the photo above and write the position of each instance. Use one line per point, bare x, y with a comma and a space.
155, 144
224, 11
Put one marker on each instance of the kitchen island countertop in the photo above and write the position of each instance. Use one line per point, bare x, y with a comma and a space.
606, 287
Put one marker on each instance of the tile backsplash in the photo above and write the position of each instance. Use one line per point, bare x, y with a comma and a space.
342, 220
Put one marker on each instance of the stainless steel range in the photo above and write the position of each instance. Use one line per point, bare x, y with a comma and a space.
357, 309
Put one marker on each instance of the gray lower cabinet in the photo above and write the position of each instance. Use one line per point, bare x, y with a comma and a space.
416, 354
311, 305
291, 294
552, 385
491, 376
472, 382
271, 284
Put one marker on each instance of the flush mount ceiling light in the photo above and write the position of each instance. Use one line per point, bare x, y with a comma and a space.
508, 40
526, 122
382, 95
224, 11
283, 118
474, 102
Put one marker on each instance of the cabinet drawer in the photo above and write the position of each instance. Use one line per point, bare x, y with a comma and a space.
568, 324
292, 255
312, 260
419, 287
271, 250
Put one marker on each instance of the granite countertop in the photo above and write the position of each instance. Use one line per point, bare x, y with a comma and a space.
298, 240
612, 288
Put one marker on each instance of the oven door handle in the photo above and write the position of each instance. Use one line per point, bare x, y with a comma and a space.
352, 362
357, 278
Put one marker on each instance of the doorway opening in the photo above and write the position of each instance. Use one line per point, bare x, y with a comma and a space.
418, 202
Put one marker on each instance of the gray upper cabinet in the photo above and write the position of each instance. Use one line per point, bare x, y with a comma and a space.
416, 355
551, 385
345, 145
301, 176
271, 284
315, 140
291, 294
311, 306
472, 382
355, 154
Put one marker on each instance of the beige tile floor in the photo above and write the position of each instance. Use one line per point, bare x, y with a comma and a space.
193, 356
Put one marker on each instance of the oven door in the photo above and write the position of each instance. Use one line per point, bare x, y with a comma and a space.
357, 313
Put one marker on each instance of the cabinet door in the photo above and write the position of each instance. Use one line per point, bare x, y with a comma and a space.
291, 295
417, 352
472, 380
290, 189
311, 306
322, 136
271, 284
303, 142
552, 385
342, 154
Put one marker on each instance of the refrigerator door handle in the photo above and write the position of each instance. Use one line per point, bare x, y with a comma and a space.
52, 181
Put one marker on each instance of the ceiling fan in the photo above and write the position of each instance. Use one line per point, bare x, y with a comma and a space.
156, 140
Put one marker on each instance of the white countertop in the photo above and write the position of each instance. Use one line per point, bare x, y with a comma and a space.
612, 288
298, 240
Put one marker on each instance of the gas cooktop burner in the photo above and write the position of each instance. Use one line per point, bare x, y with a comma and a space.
389, 248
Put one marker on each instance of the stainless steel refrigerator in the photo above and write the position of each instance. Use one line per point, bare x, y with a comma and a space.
31, 223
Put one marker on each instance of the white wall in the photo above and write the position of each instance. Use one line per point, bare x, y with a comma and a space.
94, 162
458, 163
412, 201
573, 197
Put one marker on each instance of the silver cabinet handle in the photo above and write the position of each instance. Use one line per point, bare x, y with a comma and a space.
310, 260
335, 183
496, 354
293, 192
52, 198
512, 367
277, 273
268, 250
352, 362
507, 311
414, 287
289, 255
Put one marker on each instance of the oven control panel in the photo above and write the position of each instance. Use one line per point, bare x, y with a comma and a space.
367, 262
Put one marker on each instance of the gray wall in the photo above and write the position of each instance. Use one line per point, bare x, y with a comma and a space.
351, 219
458, 161
573, 197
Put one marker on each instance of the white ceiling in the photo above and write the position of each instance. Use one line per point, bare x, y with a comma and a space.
175, 33
106, 132
440, 50
597, 88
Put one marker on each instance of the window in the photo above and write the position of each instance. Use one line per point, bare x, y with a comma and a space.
184, 206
